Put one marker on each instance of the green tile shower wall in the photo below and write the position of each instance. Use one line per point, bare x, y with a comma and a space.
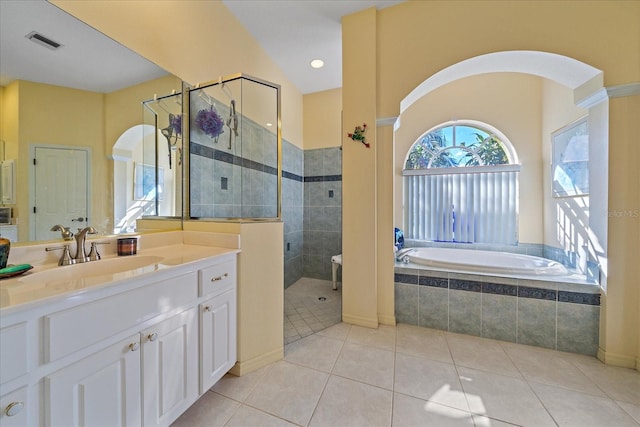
322, 221
311, 197
543, 314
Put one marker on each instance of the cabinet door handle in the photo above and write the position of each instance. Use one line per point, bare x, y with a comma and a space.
134, 346
152, 337
207, 308
14, 408
216, 279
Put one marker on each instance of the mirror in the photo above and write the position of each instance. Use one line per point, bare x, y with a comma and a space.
75, 103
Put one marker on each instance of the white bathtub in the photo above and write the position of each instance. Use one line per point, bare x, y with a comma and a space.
467, 260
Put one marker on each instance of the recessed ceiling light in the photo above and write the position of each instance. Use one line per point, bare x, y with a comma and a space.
269, 124
317, 63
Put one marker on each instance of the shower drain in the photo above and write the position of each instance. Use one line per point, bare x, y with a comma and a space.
322, 298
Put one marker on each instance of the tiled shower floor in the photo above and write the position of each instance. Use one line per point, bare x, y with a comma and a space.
310, 305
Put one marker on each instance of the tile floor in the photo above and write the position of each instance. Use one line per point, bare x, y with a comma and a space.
411, 376
304, 311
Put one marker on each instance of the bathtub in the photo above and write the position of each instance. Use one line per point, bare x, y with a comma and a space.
468, 260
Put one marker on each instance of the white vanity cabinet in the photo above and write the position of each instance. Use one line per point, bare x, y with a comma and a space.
218, 326
138, 353
101, 389
169, 368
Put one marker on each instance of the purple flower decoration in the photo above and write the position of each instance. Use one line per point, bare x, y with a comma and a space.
210, 122
175, 122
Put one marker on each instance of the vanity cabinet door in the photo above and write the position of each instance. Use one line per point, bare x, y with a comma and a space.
218, 338
15, 409
169, 368
100, 390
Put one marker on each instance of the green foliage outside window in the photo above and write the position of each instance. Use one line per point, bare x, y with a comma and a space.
434, 150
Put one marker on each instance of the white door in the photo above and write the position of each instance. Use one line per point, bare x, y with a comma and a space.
218, 338
169, 368
60, 190
100, 390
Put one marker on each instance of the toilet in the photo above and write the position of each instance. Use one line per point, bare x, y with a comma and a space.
336, 261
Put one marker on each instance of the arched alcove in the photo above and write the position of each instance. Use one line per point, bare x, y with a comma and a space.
127, 150
581, 81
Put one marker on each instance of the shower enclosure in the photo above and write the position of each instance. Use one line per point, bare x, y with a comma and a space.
211, 152
234, 162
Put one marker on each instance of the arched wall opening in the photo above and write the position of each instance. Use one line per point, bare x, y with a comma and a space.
527, 95
128, 159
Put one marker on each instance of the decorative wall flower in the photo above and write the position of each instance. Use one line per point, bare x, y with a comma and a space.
358, 134
175, 122
210, 122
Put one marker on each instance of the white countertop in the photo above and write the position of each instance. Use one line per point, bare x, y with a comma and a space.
46, 281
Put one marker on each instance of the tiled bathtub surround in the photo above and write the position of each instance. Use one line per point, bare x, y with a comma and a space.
555, 315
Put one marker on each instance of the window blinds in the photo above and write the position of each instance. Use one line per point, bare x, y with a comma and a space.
473, 205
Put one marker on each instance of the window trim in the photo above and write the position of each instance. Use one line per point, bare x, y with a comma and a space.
466, 169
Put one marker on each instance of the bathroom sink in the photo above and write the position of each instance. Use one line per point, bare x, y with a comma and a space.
102, 267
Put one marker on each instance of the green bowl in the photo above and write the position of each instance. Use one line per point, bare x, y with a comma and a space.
5, 245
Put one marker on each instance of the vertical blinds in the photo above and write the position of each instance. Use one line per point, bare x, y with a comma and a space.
472, 205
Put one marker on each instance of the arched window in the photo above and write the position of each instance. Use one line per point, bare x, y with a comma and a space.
461, 185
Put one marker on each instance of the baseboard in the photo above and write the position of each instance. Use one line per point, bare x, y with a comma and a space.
243, 368
367, 322
387, 320
620, 360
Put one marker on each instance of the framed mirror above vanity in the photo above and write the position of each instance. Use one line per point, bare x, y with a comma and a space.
73, 123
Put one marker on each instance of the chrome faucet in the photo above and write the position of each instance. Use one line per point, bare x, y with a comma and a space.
67, 234
81, 253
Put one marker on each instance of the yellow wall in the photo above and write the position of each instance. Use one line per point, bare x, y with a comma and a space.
54, 115
206, 42
123, 108
359, 203
417, 39
322, 119
511, 103
9, 106
260, 291
35, 113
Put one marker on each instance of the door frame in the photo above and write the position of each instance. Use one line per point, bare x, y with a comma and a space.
32, 179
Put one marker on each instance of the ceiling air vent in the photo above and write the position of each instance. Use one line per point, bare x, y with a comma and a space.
38, 38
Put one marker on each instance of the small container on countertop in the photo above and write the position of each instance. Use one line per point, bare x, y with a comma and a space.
127, 246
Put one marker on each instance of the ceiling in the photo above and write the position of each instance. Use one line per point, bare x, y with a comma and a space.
295, 32
88, 60
291, 32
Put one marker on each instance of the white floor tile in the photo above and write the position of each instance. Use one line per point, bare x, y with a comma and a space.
429, 380
239, 388
315, 351
552, 368
383, 337
350, 404
424, 342
410, 412
480, 353
631, 409
410, 376
503, 398
246, 416
211, 410
571, 408
369, 365
289, 391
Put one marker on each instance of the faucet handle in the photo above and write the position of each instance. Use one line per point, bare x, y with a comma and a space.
94, 255
65, 259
